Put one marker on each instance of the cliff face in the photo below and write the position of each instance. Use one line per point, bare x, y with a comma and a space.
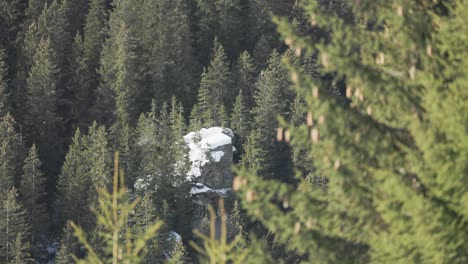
211, 154
211, 157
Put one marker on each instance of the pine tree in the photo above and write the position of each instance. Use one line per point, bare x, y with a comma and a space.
254, 155
11, 16
80, 101
12, 153
97, 153
145, 214
215, 88
118, 96
167, 40
395, 160
4, 92
42, 94
14, 227
93, 39
68, 246
245, 75
223, 119
74, 186
241, 118
33, 194
195, 119
120, 244
229, 25
272, 100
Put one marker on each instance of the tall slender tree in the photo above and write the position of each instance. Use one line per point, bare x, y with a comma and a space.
14, 227
33, 193
12, 153
4, 91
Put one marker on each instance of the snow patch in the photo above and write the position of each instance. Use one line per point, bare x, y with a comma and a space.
203, 145
217, 155
201, 188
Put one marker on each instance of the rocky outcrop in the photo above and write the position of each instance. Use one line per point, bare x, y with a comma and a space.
211, 157
211, 154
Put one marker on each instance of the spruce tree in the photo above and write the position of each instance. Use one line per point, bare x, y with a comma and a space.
15, 228
118, 99
98, 155
241, 117
4, 92
68, 246
272, 100
215, 88
245, 77
33, 193
74, 186
395, 156
93, 39
120, 245
229, 25
42, 94
167, 41
12, 153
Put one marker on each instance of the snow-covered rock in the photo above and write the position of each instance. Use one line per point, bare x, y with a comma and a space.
210, 154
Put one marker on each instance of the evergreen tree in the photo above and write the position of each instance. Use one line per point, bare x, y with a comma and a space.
42, 93
34, 195
12, 153
241, 117
195, 119
395, 159
254, 156
272, 100
144, 215
215, 88
120, 245
88, 76
4, 92
11, 16
68, 246
119, 93
97, 153
166, 38
80, 101
245, 75
14, 227
229, 25
42, 119
74, 186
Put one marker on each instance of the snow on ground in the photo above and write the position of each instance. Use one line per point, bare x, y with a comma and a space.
203, 145
201, 188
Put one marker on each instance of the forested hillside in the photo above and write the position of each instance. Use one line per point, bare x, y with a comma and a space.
347, 120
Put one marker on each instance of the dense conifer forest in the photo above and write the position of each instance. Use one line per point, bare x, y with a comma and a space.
346, 126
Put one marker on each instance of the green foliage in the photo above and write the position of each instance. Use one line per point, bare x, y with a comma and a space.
14, 227
68, 246
215, 89
11, 153
241, 117
272, 100
215, 247
86, 167
4, 103
245, 78
33, 193
395, 155
120, 244
42, 94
